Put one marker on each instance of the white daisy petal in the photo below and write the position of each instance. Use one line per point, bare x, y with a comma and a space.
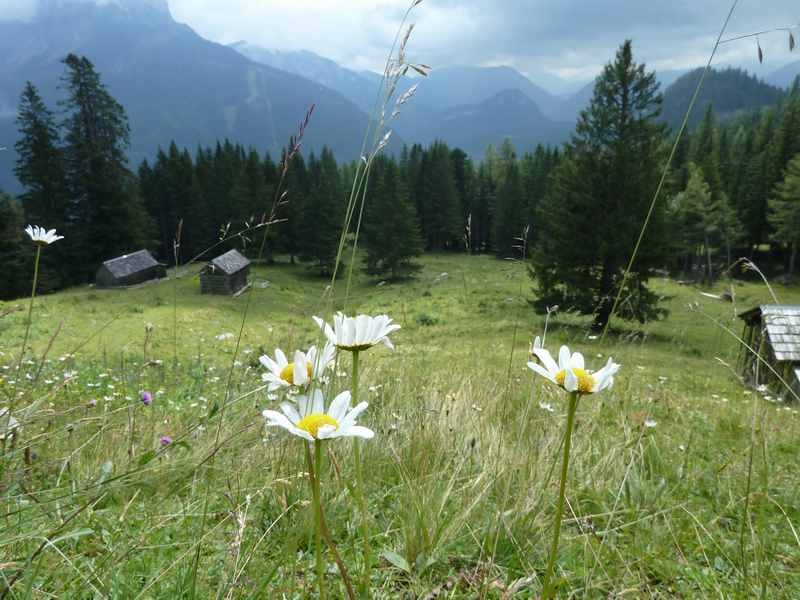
317, 402
304, 405
361, 432
564, 358
290, 410
339, 406
280, 359
577, 362
299, 369
547, 360
570, 381
542, 371
350, 418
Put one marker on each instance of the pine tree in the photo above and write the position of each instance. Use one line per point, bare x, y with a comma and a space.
323, 214
707, 226
40, 164
600, 193
14, 261
40, 169
391, 234
105, 214
784, 212
481, 211
510, 213
438, 202
757, 183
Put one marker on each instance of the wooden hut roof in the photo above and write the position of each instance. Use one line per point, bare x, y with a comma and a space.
127, 264
782, 322
229, 263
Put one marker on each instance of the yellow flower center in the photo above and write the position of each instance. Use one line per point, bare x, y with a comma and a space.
288, 373
585, 380
312, 423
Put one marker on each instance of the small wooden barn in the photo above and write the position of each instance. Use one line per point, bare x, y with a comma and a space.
226, 274
773, 331
129, 269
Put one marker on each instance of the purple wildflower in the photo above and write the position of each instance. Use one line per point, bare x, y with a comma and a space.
92, 403
165, 440
147, 398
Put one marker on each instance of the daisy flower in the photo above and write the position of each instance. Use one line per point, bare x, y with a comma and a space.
42, 237
358, 333
570, 373
309, 420
306, 367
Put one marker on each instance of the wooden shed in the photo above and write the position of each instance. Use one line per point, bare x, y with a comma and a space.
129, 269
773, 331
226, 274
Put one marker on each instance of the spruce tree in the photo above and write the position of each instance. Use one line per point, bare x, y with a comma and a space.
480, 224
510, 222
105, 213
40, 170
323, 214
296, 188
784, 212
15, 273
438, 201
600, 194
390, 235
40, 163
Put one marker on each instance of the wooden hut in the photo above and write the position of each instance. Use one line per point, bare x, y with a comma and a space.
226, 274
129, 269
772, 331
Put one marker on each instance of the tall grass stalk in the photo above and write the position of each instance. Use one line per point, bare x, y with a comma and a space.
548, 588
364, 583
28, 322
314, 473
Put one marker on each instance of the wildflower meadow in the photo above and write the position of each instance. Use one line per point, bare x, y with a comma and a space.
417, 437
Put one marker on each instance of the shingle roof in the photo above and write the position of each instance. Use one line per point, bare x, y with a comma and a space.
125, 265
782, 323
229, 263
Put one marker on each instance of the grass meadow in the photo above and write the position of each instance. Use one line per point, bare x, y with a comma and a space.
683, 484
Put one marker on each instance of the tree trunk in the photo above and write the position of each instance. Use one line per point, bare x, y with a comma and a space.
792, 258
606, 303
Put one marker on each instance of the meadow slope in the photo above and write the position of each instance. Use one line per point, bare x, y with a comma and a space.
461, 481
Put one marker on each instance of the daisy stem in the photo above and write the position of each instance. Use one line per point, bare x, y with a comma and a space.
362, 504
547, 588
314, 470
27, 328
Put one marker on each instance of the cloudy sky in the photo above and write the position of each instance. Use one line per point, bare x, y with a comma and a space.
565, 39
570, 39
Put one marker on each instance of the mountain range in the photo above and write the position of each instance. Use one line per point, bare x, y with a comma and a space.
176, 85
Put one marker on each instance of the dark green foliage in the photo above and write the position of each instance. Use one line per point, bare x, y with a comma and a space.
390, 232
105, 213
482, 201
784, 212
729, 91
297, 189
437, 200
40, 169
323, 214
510, 215
40, 163
12, 249
706, 227
599, 196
